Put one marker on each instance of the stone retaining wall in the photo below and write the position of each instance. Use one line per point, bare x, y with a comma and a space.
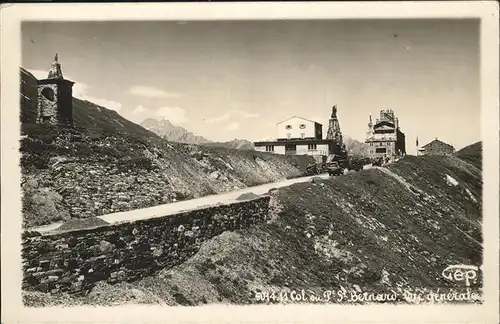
74, 261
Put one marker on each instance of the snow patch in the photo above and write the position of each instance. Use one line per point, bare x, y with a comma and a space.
471, 196
451, 181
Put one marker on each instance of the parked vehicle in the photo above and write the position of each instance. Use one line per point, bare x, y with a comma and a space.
334, 168
357, 163
337, 165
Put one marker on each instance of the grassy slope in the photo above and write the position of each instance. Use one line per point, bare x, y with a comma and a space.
472, 154
371, 230
88, 115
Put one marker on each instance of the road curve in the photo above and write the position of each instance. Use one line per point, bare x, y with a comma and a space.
202, 202
185, 205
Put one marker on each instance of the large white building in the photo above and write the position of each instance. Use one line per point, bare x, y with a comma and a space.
298, 128
297, 135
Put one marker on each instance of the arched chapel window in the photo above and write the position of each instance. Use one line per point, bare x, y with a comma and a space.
48, 93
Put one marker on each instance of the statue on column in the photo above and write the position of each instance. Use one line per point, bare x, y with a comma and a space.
334, 111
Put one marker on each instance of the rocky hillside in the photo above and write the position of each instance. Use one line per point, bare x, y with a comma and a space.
376, 231
81, 173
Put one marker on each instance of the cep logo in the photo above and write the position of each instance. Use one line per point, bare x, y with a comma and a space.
461, 272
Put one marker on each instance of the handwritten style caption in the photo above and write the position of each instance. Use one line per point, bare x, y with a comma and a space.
342, 296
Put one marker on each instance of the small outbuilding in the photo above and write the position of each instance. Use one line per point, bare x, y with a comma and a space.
436, 147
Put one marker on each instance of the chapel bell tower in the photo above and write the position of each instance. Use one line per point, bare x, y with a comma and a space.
55, 98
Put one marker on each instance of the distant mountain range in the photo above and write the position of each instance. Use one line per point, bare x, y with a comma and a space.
165, 129
239, 144
355, 147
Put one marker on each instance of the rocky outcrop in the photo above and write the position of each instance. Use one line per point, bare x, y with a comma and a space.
74, 261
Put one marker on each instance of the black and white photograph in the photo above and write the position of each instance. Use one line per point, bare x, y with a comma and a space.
245, 162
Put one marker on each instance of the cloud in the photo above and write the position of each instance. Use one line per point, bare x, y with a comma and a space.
138, 110
151, 92
218, 119
246, 115
80, 91
175, 115
240, 113
233, 126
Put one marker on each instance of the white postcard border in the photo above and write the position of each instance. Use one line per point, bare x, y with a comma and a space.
12, 15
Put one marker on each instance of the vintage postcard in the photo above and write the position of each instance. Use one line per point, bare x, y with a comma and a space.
264, 162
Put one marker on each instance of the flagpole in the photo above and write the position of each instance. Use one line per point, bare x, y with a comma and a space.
417, 146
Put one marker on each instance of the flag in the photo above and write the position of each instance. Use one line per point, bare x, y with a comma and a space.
417, 141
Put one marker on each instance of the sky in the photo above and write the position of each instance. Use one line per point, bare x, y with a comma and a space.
226, 80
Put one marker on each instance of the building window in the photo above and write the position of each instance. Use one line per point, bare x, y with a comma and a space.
380, 150
269, 148
288, 126
302, 135
312, 146
302, 126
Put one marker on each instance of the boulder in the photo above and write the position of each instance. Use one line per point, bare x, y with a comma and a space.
106, 247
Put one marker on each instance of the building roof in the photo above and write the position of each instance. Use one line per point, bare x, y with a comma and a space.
28, 73
294, 142
312, 121
384, 122
436, 141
